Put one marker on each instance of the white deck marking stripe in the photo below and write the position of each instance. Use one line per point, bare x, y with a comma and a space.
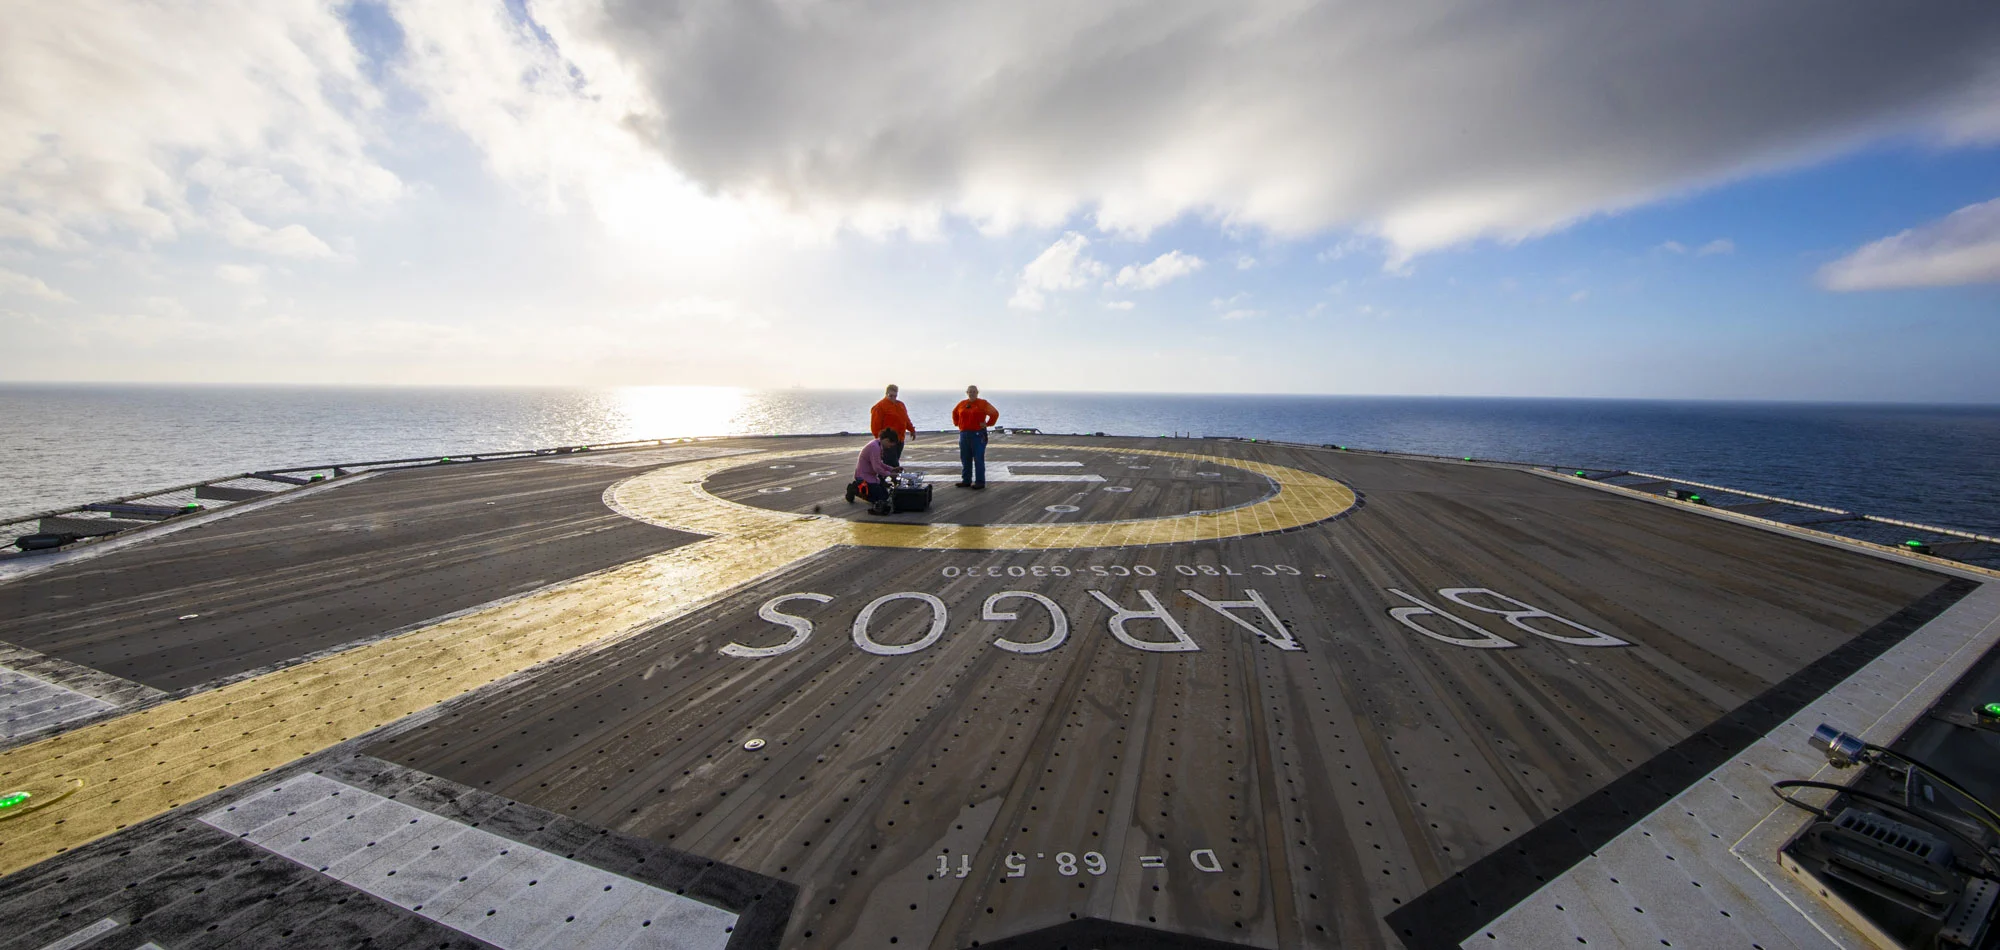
29, 703
648, 457
1003, 471
85, 935
509, 894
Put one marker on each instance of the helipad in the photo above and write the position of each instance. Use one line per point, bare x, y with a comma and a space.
1138, 692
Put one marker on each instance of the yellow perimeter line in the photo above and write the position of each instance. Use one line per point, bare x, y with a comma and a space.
138, 766
141, 765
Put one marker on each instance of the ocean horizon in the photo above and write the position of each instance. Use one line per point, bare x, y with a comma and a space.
71, 443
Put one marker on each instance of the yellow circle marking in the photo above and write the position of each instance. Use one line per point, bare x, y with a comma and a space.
675, 498
118, 772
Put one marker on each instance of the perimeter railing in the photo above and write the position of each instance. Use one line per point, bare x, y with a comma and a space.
59, 528
84, 524
1948, 543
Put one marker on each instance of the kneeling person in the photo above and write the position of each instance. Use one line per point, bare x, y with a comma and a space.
871, 470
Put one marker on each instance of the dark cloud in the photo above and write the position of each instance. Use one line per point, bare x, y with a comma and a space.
1428, 121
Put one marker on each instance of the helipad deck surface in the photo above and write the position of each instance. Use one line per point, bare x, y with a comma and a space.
1137, 692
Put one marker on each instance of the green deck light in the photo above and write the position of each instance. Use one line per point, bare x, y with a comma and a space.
1579, 473
1913, 544
1468, 458
1991, 709
12, 799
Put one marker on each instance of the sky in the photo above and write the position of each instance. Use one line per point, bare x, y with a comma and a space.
1715, 199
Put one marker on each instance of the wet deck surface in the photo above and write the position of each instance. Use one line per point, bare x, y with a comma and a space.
1268, 740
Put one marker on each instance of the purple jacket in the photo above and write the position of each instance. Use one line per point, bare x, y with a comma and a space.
870, 467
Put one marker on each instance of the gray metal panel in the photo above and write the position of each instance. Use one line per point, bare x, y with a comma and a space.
528, 918
1704, 866
31, 704
84, 936
227, 493
507, 893
88, 527
278, 801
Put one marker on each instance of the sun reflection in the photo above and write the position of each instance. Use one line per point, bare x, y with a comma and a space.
666, 412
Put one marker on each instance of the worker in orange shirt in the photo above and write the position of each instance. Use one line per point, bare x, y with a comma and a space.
972, 416
890, 414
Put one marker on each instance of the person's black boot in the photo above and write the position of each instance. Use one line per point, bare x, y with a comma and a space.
850, 493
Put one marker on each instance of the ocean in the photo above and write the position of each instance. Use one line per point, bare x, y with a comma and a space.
69, 444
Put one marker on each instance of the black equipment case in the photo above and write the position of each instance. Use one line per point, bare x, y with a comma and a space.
906, 493
909, 493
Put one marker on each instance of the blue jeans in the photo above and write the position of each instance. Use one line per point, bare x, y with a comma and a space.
972, 457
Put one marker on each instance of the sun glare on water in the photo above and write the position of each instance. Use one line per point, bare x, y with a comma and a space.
666, 412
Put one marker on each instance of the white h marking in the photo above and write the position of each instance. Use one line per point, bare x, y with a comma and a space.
1004, 471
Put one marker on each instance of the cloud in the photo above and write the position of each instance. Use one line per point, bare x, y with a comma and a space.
144, 120
13, 284
1119, 305
697, 126
1960, 248
1579, 297
1347, 247
292, 240
166, 308
239, 274
553, 111
1427, 123
1166, 267
1242, 314
1673, 247
1064, 266
1245, 262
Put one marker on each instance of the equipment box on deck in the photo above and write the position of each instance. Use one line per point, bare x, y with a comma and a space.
907, 497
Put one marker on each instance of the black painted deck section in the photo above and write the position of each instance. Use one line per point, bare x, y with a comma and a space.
353, 562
